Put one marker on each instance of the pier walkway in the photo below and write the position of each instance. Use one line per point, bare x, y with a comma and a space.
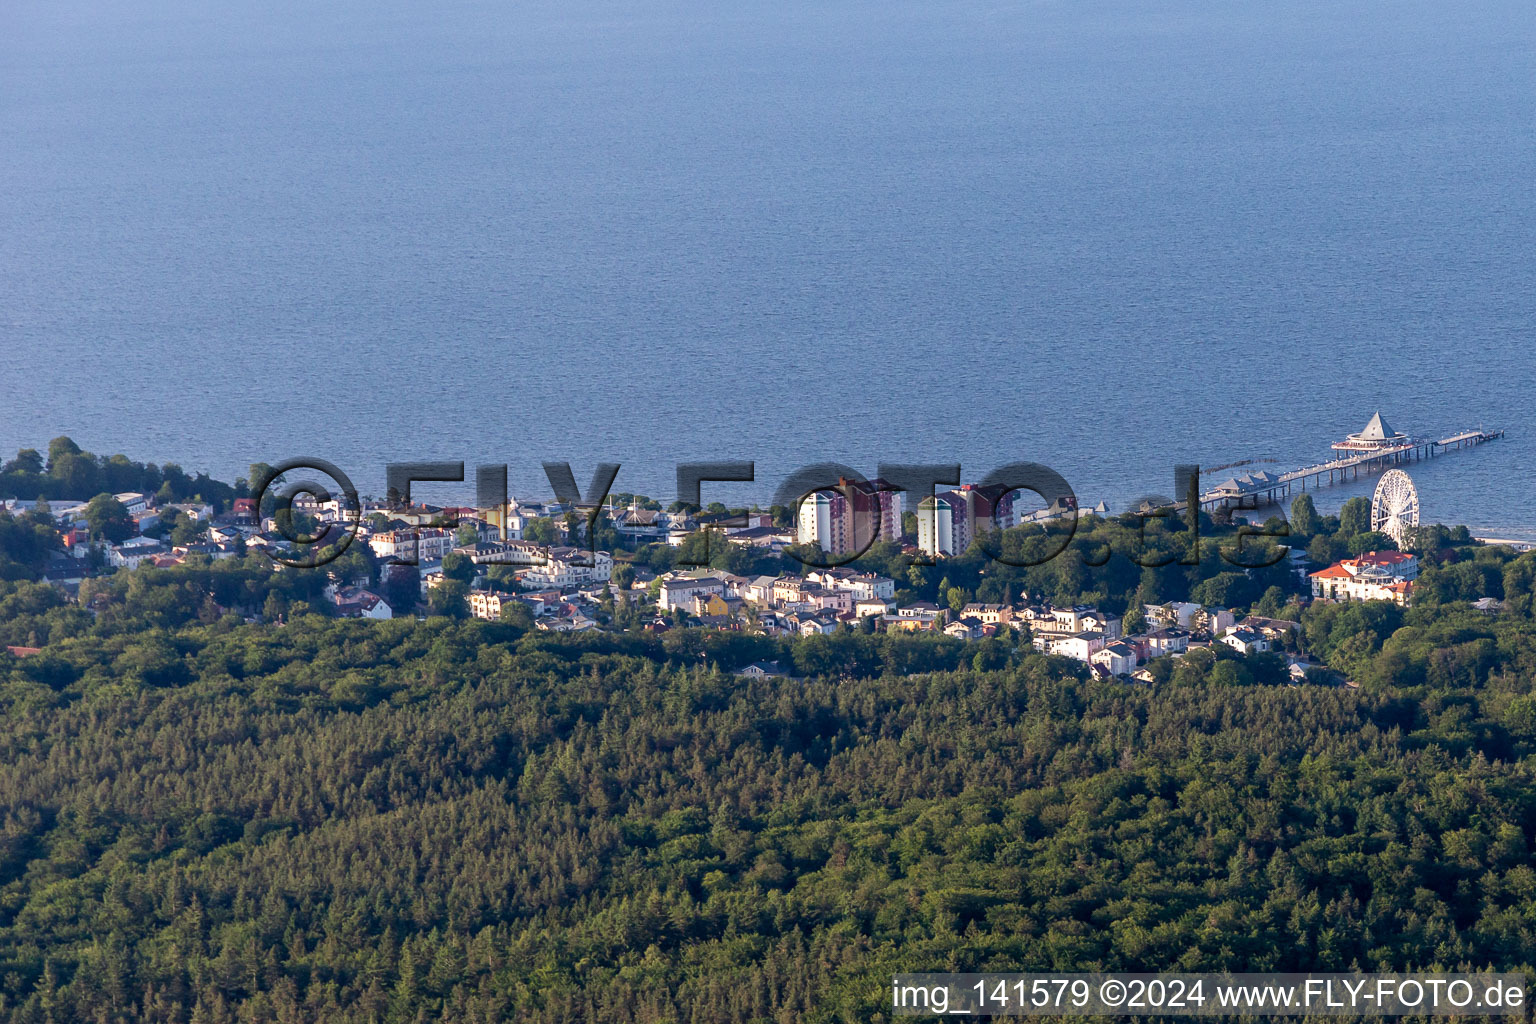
1253, 490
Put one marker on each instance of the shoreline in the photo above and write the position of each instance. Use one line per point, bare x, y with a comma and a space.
1517, 544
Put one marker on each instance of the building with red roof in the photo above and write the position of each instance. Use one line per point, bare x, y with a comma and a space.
1371, 576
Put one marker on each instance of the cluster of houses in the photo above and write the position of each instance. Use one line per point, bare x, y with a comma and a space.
827, 600
651, 526
1172, 629
73, 565
409, 542
822, 601
562, 587
1097, 639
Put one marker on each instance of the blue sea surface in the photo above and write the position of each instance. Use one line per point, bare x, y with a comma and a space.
1105, 235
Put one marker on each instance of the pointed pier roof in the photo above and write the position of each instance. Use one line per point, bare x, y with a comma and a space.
1377, 434
1376, 430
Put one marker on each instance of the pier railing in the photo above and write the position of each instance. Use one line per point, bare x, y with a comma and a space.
1337, 471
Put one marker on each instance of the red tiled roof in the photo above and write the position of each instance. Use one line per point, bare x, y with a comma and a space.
1336, 571
1382, 558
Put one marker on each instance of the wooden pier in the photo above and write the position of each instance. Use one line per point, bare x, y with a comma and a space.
1255, 490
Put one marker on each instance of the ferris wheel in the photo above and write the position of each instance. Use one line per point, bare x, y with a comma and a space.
1395, 506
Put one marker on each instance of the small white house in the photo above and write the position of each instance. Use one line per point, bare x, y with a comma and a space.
761, 670
1245, 641
134, 552
680, 592
133, 501
1079, 646
1118, 658
356, 603
1167, 641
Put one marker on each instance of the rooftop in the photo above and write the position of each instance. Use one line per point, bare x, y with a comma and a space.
1377, 434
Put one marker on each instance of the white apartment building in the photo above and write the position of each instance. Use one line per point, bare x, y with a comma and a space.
680, 592
570, 567
425, 544
486, 604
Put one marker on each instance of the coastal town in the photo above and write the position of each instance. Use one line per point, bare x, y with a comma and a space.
633, 565
766, 513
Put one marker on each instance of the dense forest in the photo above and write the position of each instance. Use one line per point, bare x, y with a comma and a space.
440, 820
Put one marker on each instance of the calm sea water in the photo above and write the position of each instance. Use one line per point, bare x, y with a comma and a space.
1107, 235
